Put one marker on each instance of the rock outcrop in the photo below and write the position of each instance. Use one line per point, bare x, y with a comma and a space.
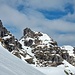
10, 42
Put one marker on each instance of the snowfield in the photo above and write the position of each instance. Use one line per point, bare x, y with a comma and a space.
11, 65
60, 70
51, 70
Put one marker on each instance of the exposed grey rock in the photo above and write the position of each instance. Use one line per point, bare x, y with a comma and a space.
3, 30
28, 43
28, 32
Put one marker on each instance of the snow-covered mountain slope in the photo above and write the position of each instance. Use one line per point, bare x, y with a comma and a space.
63, 69
52, 70
36, 49
11, 65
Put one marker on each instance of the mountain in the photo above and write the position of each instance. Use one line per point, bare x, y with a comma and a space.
38, 50
44, 52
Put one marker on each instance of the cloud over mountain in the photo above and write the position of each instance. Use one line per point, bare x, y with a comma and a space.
54, 17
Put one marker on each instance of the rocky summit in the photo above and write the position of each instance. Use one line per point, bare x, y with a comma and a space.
43, 51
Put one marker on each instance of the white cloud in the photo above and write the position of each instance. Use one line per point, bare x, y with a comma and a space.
66, 39
12, 16
36, 20
48, 4
69, 17
41, 4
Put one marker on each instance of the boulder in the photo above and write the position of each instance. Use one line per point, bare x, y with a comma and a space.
28, 43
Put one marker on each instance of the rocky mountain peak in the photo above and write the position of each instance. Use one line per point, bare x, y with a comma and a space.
9, 42
37, 38
0, 23
43, 50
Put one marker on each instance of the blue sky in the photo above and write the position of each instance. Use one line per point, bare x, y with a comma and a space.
54, 17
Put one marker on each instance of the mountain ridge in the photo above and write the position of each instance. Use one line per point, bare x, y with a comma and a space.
37, 49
